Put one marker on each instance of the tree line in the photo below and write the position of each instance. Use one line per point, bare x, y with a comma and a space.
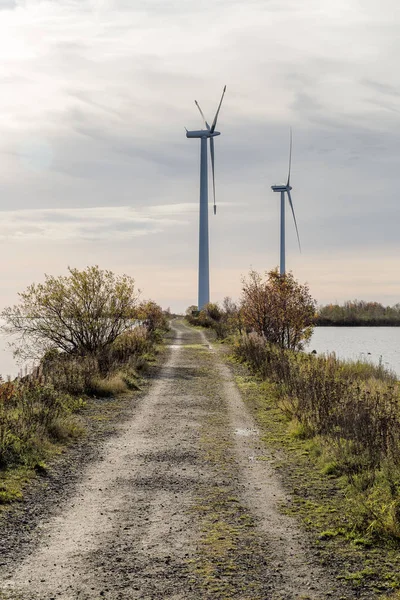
358, 313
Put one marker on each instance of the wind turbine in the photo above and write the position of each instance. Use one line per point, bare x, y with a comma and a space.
204, 135
285, 189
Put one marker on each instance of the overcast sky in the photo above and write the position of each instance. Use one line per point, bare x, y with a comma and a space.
95, 167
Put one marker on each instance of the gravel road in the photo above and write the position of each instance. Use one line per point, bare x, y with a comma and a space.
175, 504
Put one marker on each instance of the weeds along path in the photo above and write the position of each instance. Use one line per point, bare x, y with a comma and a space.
177, 507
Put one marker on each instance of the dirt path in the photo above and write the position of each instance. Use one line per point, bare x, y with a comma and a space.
177, 506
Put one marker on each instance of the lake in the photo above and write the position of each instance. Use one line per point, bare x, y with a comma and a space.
365, 343
8, 366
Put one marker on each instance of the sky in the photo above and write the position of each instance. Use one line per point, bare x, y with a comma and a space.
95, 167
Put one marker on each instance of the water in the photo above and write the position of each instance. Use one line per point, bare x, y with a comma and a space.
365, 343
8, 366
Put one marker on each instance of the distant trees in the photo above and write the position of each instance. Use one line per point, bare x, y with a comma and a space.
358, 312
80, 313
278, 308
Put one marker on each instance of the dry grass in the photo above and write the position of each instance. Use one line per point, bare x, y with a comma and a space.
353, 409
32, 417
38, 415
91, 375
109, 386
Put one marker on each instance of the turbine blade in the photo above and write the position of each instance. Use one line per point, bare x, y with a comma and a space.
294, 217
290, 158
214, 123
213, 170
202, 114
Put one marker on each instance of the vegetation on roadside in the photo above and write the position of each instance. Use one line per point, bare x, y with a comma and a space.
358, 313
349, 410
79, 314
225, 320
278, 308
33, 415
93, 338
368, 565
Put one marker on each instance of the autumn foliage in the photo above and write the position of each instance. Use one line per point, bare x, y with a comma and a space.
278, 308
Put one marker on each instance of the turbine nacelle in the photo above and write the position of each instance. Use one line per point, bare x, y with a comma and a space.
285, 188
281, 188
201, 133
208, 134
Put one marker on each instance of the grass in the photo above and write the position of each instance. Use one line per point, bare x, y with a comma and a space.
395, 596
229, 557
109, 386
42, 415
12, 483
351, 411
322, 497
36, 422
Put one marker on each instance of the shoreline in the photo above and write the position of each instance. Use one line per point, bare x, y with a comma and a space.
326, 323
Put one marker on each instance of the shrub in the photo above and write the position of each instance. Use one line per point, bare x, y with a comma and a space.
28, 414
152, 316
278, 308
131, 344
224, 321
75, 375
79, 314
321, 391
354, 410
68, 373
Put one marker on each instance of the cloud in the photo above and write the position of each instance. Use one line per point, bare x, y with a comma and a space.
8, 4
383, 88
96, 94
104, 223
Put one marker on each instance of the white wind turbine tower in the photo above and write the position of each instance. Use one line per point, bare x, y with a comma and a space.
204, 135
285, 189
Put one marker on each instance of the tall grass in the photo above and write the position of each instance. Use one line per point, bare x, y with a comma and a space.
354, 409
84, 374
32, 416
37, 411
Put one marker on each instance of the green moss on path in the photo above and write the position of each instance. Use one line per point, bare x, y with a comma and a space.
231, 559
